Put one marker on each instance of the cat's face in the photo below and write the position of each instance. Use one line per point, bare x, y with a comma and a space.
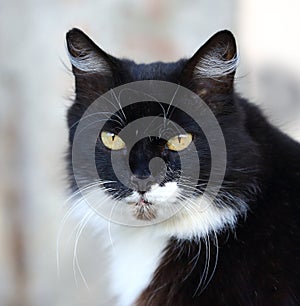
149, 171
155, 182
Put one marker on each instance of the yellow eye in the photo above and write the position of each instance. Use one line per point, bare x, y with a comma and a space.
112, 141
179, 142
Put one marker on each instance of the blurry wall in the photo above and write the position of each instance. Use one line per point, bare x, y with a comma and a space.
35, 87
269, 38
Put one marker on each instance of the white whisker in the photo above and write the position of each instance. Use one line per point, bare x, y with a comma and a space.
76, 264
171, 102
215, 265
119, 103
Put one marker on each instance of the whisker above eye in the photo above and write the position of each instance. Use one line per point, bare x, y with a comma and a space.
98, 114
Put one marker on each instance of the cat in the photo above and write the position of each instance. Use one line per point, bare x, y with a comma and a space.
240, 247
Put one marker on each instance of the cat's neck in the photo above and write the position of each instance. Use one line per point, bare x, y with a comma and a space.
135, 255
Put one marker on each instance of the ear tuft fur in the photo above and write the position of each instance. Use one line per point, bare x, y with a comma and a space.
217, 59
85, 55
213, 65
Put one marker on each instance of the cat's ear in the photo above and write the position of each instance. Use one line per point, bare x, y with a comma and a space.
93, 68
212, 67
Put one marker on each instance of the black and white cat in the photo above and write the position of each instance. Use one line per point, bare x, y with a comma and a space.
238, 247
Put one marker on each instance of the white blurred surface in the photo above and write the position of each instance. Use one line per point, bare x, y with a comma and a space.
269, 38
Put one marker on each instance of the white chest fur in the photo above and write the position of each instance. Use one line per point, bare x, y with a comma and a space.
135, 256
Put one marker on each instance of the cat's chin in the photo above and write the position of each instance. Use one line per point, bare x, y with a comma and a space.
144, 210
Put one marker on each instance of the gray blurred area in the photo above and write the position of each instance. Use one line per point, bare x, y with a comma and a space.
35, 91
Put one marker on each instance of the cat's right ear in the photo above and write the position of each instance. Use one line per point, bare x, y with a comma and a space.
93, 68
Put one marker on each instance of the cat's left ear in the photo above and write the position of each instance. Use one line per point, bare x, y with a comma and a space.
212, 67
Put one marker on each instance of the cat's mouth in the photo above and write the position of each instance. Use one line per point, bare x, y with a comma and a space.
153, 204
144, 210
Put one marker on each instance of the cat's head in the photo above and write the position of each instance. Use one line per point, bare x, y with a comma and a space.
173, 190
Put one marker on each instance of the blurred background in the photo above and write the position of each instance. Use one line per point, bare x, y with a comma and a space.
35, 87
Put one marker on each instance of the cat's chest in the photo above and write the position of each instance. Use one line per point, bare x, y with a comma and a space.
135, 255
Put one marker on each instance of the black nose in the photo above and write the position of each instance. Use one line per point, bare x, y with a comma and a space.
142, 183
